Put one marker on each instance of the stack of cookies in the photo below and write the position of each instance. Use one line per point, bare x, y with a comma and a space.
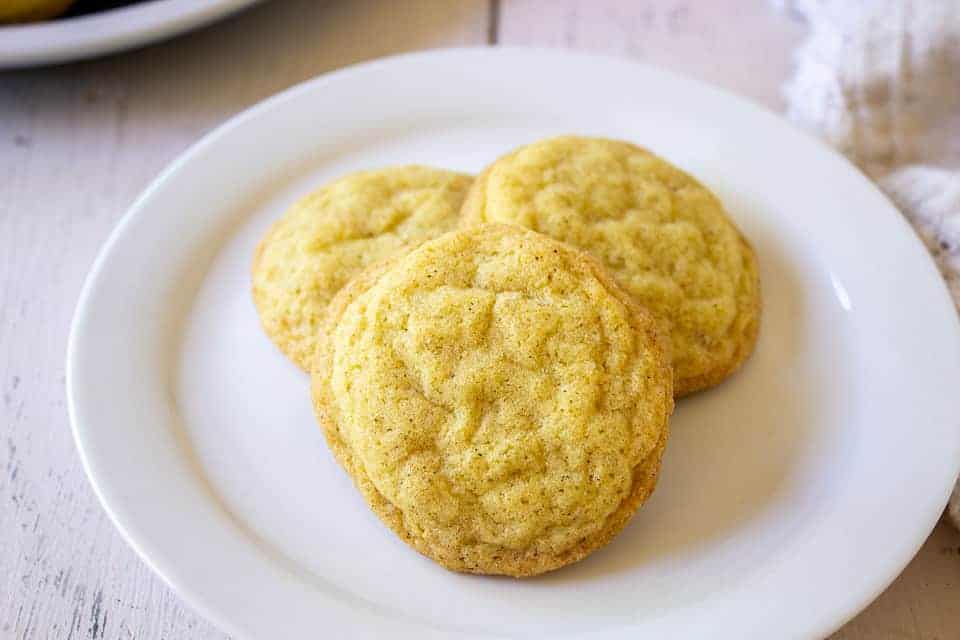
494, 361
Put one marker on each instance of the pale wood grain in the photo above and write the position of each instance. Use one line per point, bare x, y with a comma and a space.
744, 46
78, 142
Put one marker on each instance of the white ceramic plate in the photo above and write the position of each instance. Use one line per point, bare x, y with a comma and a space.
790, 496
95, 34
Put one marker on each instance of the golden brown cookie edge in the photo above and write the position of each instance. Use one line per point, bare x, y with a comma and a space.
292, 349
511, 563
748, 302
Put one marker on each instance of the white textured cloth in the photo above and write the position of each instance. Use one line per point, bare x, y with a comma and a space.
880, 80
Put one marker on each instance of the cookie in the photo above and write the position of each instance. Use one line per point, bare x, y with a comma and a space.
664, 236
500, 402
30, 10
331, 235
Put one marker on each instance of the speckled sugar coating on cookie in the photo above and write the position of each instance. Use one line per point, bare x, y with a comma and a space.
329, 236
664, 236
499, 401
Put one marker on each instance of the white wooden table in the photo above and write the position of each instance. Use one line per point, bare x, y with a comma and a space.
78, 142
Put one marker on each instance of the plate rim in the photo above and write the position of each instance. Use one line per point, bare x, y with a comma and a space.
198, 601
110, 31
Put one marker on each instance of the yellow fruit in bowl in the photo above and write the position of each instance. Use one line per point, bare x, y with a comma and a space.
30, 10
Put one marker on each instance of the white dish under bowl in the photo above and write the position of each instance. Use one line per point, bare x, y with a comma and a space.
66, 39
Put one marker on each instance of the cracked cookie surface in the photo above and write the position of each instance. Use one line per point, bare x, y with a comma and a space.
331, 235
664, 236
497, 398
